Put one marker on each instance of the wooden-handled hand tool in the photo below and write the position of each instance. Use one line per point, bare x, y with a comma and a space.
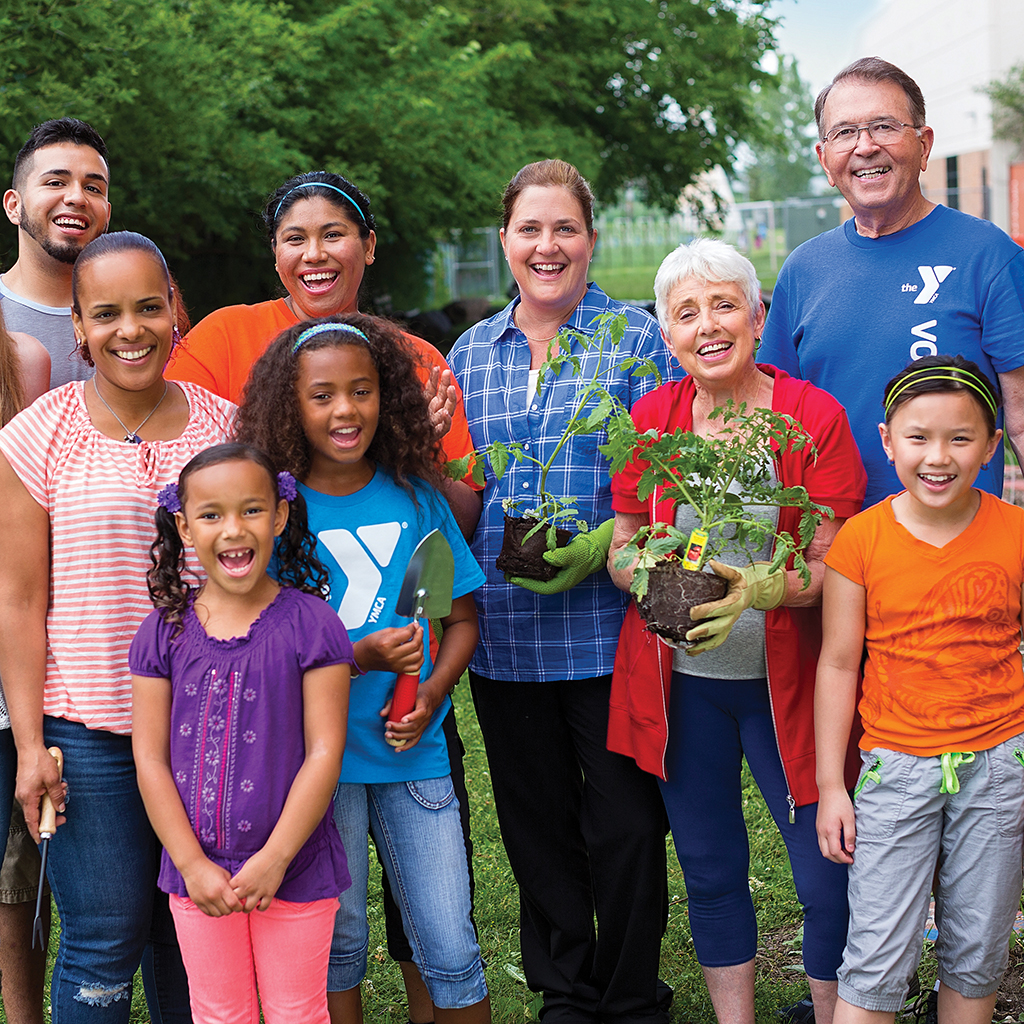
47, 827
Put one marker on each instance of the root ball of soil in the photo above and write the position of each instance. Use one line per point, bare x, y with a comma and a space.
671, 592
519, 559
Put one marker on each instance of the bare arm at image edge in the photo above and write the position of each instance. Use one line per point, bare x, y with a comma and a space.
24, 595
1011, 384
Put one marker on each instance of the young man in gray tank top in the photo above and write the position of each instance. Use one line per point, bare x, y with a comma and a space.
58, 201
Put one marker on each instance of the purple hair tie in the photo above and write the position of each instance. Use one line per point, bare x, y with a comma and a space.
168, 498
286, 486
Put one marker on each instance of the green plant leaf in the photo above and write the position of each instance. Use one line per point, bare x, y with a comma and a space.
807, 528
598, 415
552, 537
498, 457
458, 468
699, 471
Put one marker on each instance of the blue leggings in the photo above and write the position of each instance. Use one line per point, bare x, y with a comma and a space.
713, 723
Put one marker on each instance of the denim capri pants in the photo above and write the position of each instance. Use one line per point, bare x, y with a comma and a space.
417, 831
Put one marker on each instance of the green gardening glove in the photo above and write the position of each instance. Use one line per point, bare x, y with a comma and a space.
752, 586
586, 553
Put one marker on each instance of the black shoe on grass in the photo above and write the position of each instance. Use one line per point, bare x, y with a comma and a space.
797, 1013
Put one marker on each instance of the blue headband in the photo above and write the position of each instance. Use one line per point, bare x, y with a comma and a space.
312, 332
320, 184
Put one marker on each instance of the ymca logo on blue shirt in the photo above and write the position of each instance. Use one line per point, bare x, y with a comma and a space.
931, 278
365, 541
361, 556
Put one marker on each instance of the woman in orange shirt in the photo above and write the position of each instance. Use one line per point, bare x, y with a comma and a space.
322, 235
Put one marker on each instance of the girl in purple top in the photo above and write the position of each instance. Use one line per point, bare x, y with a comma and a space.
240, 699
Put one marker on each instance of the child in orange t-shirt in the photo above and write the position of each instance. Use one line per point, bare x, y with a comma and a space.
931, 580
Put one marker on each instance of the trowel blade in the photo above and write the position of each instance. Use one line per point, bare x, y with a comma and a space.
427, 586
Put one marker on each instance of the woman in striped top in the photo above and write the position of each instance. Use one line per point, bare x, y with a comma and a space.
79, 475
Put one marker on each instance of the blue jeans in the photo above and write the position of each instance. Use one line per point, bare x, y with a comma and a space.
713, 723
417, 831
102, 868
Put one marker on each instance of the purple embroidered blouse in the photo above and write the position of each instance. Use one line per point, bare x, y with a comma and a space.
237, 739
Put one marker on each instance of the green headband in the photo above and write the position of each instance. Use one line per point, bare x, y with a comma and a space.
915, 376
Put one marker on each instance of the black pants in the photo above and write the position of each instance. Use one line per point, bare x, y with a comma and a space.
398, 944
584, 830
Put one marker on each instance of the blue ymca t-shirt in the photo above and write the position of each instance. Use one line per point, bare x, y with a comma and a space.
365, 541
848, 313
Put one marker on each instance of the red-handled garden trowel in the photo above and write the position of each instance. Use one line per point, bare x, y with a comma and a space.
47, 827
426, 591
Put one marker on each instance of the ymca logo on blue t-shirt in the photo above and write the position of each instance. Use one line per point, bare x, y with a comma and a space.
365, 540
932, 277
361, 556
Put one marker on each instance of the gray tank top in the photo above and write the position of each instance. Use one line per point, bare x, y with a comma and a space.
52, 326
742, 655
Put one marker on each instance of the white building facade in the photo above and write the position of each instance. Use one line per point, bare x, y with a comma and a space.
953, 48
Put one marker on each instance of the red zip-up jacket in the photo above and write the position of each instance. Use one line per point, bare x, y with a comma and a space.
638, 712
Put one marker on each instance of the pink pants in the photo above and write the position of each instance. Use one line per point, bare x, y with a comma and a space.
284, 949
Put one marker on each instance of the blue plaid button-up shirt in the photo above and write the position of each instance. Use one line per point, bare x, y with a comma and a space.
523, 635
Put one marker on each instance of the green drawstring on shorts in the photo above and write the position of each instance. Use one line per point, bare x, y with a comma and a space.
873, 774
950, 762
1019, 754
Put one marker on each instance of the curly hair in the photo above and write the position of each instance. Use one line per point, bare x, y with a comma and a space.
297, 562
404, 443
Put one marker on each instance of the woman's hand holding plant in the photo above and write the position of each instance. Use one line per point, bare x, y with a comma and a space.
585, 554
752, 586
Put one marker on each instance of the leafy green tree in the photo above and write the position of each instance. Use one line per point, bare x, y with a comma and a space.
190, 102
654, 91
784, 162
207, 105
1007, 95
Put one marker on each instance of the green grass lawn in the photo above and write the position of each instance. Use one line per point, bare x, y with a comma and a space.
625, 282
497, 913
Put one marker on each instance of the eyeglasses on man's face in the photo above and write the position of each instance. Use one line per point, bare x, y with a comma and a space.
884, 131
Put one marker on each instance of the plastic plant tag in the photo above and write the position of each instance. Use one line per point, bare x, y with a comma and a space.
695, 549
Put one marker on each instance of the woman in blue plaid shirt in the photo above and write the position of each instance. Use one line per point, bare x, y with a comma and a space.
584, 828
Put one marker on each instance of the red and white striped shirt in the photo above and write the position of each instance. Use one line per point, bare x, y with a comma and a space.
100, 495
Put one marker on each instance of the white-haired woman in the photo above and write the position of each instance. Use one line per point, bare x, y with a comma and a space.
750, 691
